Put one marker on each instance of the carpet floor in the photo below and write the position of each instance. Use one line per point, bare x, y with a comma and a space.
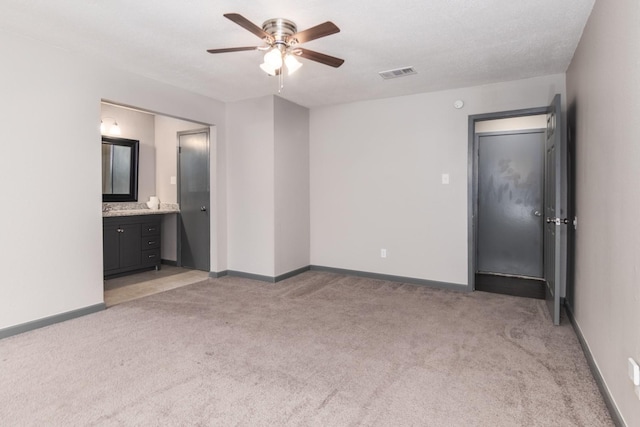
319, 349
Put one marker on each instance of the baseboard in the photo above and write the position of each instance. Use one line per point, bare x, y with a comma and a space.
216, 274
269, 279
378, 276
392, 278
613, 411
51, 320
292, 273
169, 262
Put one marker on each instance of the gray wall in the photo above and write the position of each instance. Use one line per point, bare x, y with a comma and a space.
603, 83
268, 164
251, 247
291, 187
376, 178
52, 177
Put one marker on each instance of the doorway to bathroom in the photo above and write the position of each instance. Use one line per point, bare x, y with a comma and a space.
158, 177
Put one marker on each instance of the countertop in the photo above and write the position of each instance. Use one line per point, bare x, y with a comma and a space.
132, 209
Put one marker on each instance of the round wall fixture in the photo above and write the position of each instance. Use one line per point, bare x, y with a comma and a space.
458, 104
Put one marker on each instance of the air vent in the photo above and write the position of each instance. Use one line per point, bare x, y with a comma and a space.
398, 72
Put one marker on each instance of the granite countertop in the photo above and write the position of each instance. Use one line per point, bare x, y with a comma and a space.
131, 209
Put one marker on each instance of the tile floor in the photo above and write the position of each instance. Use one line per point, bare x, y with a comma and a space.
127, 288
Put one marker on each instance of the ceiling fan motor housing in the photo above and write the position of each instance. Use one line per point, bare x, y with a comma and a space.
280, 29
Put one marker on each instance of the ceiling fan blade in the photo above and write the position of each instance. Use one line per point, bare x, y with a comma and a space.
331, 61
247, 25
322, 30
232, 49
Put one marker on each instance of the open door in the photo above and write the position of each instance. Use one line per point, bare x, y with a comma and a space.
554, 251
194, 199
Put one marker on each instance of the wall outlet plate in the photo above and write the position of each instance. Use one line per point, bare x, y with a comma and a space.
634, 372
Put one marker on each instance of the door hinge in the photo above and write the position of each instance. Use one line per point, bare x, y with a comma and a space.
557, 221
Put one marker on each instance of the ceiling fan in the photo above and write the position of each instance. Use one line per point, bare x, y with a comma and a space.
281, 39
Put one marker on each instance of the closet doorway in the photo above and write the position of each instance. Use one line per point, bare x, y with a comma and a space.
510, 206
502, 182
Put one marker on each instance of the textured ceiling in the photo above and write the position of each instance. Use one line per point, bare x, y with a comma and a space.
452, 43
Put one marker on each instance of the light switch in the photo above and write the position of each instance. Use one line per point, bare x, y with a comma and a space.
445, 178
173, 180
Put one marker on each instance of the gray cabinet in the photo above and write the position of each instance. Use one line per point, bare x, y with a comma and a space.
130, 244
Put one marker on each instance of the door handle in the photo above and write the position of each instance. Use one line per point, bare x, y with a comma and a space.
557, 221
537, 213
203, 208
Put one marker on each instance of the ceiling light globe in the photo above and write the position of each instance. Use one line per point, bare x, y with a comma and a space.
115, 129
273, 58
268, 69
292, 63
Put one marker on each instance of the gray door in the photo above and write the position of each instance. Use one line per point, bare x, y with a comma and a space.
193, 196
553, 209
510, 203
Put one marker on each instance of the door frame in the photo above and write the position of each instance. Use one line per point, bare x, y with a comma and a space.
206, 129
472, 180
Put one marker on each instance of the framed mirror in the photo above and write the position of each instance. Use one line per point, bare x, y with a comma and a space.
119, 169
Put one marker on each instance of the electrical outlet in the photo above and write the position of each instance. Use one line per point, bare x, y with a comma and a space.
383, 253
445, 178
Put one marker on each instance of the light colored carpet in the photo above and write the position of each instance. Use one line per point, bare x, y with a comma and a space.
319, 349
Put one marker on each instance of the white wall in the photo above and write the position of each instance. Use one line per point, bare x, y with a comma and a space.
251, 186
603, 83
376, 171
51, 251
291, 186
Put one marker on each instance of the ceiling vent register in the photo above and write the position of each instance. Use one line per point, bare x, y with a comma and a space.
398, 72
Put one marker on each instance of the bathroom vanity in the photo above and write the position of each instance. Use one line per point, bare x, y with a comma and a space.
132, 237
131, 243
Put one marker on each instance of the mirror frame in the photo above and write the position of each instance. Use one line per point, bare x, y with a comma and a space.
132, 195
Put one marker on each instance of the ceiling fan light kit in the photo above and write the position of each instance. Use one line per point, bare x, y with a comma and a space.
281, 38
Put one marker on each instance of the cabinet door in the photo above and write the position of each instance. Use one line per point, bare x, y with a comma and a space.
111, 247
129, 245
